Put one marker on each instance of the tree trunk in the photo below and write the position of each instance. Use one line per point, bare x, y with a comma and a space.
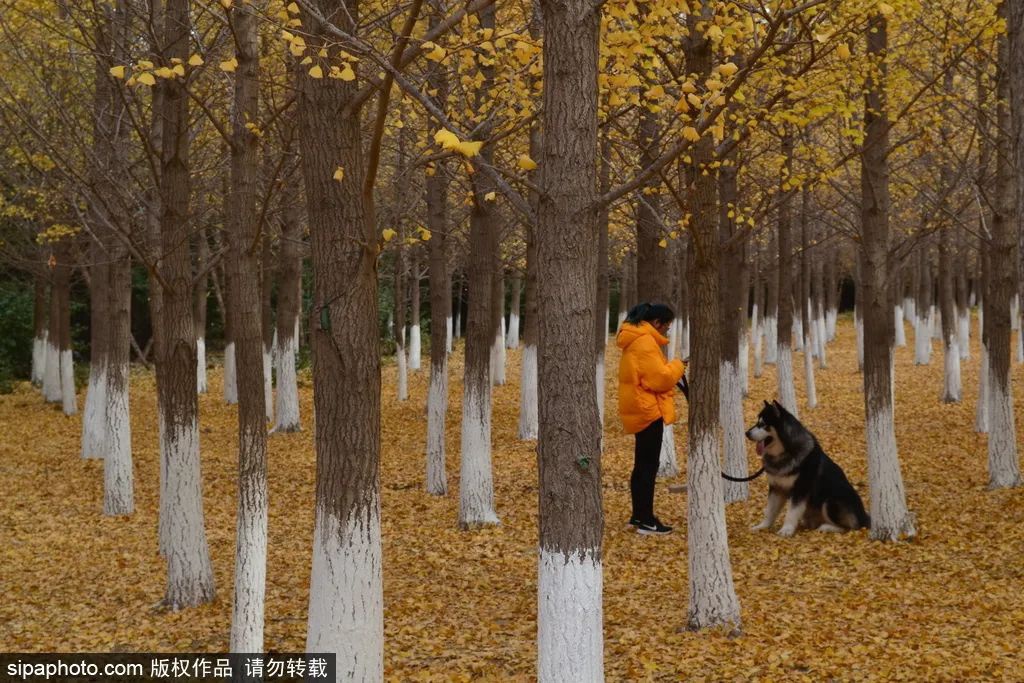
757, 317
569, 587
1003, 466
60, 330
39, 324
771, 306
810, 323
922, 330
733, 314
713, 600
890, 519
512, 335
497, 316
289, 304
784, 358
247, 303
400, 327
202, 289
415, 340
950, 333
265, 261
601, 295
189, 573
476, 483
346, 607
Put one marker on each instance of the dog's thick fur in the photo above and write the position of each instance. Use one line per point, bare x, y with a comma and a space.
819, 494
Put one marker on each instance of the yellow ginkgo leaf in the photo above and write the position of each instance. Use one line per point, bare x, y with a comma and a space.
490, 196
526, 163
293, 8
843, 51
179, 69
469, 149
691, 134
229, 65
117, 71
447, 139
424, 234
663, 243
195, 60
316, 72
339, 174
388, 234
885, 8
347, 74
297, 46
728, 69
164, 72
147, 79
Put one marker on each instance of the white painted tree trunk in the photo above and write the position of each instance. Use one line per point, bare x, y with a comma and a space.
744, 368
822, 340
964, 334
67, 383
673, 348
621, 319
684, 352
859, 325
437, 410
890, 518
38, 359
287, 406
787, 384
570, 622
1015, 313
512, 338
599, 373
713, 600
810, 387
189, 572
668, 466
449, 338
118, 483
1003, 468
730, 411
831, 319
415, 348
476, 483
981, 408
268, 384
758, 334
230, 378
457, 326
201, 381
811, 341
498, 357
528, 411
250, 568
346, 596
935, 320
922, 342
771, 340
94, 417
908, 310
901, 334
403, 373
951, 371
51, 375
798, 334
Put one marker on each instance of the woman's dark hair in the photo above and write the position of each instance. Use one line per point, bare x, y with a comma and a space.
646, 312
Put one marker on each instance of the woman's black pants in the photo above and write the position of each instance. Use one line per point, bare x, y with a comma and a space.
646, 457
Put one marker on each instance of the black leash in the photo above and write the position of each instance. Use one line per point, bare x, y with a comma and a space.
685, 388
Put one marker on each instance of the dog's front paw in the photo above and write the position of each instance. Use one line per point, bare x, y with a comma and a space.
760, 526
787, 531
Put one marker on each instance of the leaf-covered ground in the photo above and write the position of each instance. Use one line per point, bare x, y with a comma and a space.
948, 606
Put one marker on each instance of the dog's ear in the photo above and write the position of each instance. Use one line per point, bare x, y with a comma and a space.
767, 404
776, 407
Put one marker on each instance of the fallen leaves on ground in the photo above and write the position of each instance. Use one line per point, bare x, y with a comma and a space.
462, 605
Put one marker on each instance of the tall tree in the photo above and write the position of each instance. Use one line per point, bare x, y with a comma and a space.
569, 602
246, 309
890, 518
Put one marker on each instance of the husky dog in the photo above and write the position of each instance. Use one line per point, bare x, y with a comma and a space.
820, 496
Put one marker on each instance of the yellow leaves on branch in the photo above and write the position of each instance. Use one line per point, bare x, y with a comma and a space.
450, 142
229, 65
316, 72
434, 52
388, 234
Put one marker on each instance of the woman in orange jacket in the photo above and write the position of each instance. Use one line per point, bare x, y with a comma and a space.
646, 385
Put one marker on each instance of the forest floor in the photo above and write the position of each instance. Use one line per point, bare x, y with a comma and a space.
948, 606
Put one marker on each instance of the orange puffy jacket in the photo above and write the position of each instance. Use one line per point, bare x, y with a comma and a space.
646, 380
